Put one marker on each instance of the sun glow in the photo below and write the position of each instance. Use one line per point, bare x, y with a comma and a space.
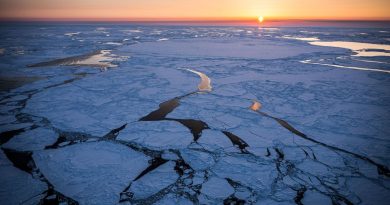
194, 10
260, 19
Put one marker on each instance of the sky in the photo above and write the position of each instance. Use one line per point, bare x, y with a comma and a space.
196, 9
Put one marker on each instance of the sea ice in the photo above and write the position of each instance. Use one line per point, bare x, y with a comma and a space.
313, 197
97, 104
301, 38
154, 181
31, 140
222, 48
196, 159
171, 199
157, 135
346, 67
17, 186
214, 140
362, 49
217, 188
91, 172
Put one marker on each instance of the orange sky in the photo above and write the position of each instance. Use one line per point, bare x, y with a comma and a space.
196, 9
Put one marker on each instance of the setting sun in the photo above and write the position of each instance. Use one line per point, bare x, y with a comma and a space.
261, 19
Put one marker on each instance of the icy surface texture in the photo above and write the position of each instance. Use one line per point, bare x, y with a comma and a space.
91, 173
133, 114
36, 139
17, 186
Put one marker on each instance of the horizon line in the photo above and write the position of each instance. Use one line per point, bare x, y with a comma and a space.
252, 22
211, 19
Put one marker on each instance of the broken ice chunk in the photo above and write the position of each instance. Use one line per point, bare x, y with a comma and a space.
157, 135
91, 173
213, 140
154, 181
18, 187
196, 159
36, 139
173, 199
217, 188
312, 197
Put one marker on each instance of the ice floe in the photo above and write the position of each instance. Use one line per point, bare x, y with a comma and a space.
197, 160
362, 49
222, 48
36, 139
102, 59
72, 34
91, 173
173, 199
301, 38
114, 43
18, 187
217, 188
158, 135
154, 181
346, 67
163, 39
132, 30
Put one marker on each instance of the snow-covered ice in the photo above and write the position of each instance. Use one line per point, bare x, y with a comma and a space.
362, 49
160, 135
17, 186
155, 181
197, 160
91, 173
217, 188
36, 139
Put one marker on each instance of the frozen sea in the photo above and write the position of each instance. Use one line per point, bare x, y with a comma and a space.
119, 113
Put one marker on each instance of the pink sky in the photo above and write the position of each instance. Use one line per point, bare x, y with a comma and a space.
196, 9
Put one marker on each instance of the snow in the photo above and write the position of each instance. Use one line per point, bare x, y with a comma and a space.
103, 59
346, 67
163, 39
258, 49
170, 199
217, 188
31, 140
301, 38
197, 160
313, 197
257, 175
213, 140
72, 34
10, 127
313, 167
17, 186
7, 119
358, 47
93, 172
114, 43
157, 135
369, 192
107, 100
154, 181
